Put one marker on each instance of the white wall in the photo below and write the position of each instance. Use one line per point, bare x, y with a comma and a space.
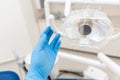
14, 29
30, 20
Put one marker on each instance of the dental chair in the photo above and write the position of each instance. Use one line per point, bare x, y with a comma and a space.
9, 75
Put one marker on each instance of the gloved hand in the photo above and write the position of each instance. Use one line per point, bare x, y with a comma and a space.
43, 56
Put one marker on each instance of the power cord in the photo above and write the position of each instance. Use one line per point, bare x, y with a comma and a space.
80, 74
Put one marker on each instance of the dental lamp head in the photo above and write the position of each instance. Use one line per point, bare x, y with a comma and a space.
90, 28
93, 30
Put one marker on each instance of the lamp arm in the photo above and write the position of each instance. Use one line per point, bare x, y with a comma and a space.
80, 59
109, 63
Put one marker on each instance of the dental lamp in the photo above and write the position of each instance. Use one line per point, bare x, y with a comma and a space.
90, 28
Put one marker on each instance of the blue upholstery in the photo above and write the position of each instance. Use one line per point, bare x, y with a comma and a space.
8, 75
72, 79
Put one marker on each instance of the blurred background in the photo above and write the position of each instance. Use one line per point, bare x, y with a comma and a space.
22, 21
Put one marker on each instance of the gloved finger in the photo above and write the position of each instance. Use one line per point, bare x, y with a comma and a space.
44, 38
57, 46
54, 41
41, 42
46, 31
49, 34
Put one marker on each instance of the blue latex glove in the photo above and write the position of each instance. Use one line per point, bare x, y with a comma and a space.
43, 56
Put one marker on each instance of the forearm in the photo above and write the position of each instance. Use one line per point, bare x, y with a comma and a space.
34, 77
35, 74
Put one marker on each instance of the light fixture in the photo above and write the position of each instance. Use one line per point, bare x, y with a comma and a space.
91, 28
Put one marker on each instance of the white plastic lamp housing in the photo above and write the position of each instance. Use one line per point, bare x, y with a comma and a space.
91, 28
